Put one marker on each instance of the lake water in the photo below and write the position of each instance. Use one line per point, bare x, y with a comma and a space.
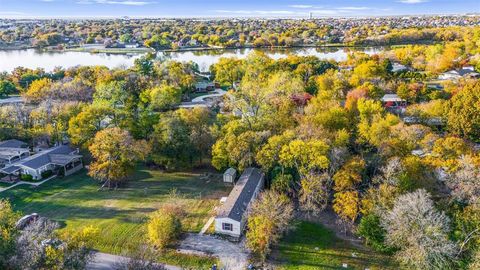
32, 58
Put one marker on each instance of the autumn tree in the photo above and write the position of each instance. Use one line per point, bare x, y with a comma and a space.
115, 152
164, 226
92, 118
268, 219
228, 70
462, 114
420, 232
41, 246
38, 89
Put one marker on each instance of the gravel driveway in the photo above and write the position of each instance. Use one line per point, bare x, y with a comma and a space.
233, 256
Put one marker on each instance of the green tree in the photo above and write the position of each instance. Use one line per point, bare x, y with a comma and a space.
165, 97
8, 232
7, 88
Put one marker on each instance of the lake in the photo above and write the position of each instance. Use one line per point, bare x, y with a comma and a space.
32, 58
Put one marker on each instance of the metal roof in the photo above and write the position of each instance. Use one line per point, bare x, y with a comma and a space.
13, 144
9, 170
59, 155
391, 97
230, 171
43, 158
241, 194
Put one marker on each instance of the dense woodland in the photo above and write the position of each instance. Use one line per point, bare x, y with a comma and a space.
316, 128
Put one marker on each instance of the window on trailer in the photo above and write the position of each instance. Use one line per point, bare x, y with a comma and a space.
227, 226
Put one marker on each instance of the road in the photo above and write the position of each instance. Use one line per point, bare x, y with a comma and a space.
11, 100
203, 101
28, 183
104, 261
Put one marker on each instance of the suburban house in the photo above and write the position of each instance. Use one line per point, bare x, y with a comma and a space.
396, 67
465, 72
230, 219
59, 158
205, 86
394, 103
12, 151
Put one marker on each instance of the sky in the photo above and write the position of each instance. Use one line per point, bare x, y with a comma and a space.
231, 8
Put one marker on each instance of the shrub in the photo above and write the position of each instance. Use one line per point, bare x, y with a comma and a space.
47, 173
371, 229
164, 226
26, 177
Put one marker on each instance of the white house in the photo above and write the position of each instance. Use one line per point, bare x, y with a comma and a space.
229, 175
230, 219
457, 74
396, 67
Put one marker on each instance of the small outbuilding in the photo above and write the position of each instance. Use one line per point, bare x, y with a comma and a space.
229, 175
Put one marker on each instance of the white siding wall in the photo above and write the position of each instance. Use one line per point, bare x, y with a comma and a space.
237, 228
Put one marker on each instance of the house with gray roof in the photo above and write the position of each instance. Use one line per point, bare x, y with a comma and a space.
12, 151
230, 219
465, 72
59, 158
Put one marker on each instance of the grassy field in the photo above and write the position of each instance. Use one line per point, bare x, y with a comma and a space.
4, 185
312, 246
120, 214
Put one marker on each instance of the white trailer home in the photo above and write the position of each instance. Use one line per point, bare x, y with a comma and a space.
230, 219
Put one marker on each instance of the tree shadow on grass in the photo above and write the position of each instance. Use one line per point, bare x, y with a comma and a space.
61, 213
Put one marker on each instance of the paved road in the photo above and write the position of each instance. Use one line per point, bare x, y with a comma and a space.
104, 261
28, 183
203, 101
11, 100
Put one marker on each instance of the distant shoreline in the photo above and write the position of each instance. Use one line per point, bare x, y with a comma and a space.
190, 49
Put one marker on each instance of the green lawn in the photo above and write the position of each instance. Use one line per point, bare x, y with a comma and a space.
312, 246
4, 185
120, 214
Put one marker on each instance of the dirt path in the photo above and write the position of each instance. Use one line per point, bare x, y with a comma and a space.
232, 255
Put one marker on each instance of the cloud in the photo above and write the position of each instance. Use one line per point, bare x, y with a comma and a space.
300, 6
325, 12
412, 1
47, 1
354, 8
11, 13
116, 2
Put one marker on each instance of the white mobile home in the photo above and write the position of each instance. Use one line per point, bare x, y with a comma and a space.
230, 219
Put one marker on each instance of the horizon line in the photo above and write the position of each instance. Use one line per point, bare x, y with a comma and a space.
223, 17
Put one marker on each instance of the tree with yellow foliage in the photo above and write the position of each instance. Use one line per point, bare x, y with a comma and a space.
115, 153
